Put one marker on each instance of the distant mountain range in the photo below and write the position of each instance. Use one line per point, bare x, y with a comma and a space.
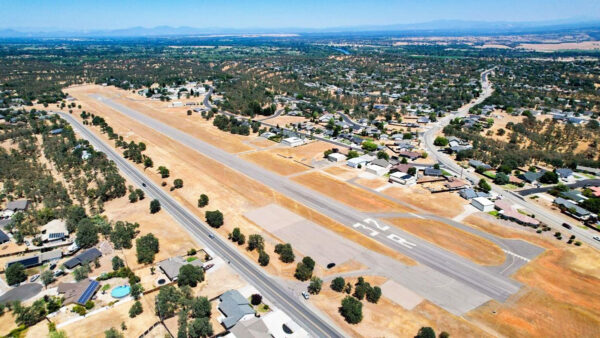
445, 27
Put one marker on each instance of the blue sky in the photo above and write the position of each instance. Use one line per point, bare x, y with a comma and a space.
113, 14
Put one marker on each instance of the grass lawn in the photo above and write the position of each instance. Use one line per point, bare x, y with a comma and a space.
262, 308
493, 213
489, 174
510, 186
191, 259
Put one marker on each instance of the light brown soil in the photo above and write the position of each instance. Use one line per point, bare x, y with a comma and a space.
443, 204
280, 165
261, 142
228, 190
306, 153
95, 325
282, 121
372, 183
343, 172
348, 194
387, 319
475, 248
558, 300
194, 125
551, 47
173, 239
506, 232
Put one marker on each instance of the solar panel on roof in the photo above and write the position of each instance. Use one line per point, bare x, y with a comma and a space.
56, 235
87, 294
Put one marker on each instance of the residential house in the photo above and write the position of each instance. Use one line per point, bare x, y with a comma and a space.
470, 193
476, 164
412, 155
18, 205
573, 195
3, 237
78, 292
455, 184
595, 191
430, 171
54, 230
403, 168
85, 257
170, 267
235, 308
564, 173
531, 177
36, 259
572, 209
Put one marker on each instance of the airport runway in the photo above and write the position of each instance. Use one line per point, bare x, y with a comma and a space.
458, 268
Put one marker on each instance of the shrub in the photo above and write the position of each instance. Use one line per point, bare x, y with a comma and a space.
214, 218
351, 310
80, 310
255, 299
337, 284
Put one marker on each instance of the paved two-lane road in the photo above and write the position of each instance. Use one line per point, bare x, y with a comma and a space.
291, 304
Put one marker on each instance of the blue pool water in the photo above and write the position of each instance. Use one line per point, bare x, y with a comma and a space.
120, 291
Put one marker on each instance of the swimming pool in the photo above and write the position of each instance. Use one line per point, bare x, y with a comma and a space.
120, 291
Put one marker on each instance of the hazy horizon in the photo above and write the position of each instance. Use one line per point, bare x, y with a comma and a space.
271, 14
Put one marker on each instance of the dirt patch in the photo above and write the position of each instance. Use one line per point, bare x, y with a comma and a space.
96, 324
173, 239
343, 172
286, 120
273, 162
444, 204
559, 301
507, 232
261, 142
306, 153
387, 319
193, 125
372, 183
348, 194
477, 249
551, 47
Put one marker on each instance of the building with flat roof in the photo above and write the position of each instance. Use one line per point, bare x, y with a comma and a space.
18, 205
292, 141
482, 204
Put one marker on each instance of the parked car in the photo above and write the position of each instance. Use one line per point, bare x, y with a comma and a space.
305, 295
34, 277
52, 266
330, 265
208, 266
58, 272
596, 238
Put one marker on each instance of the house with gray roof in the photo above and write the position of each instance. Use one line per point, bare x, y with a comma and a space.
3, 237
170, 267
476, 164
470, 193
564, 173
18, 205
532, 177
573, 195
235, 308
572, 209
85, 257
